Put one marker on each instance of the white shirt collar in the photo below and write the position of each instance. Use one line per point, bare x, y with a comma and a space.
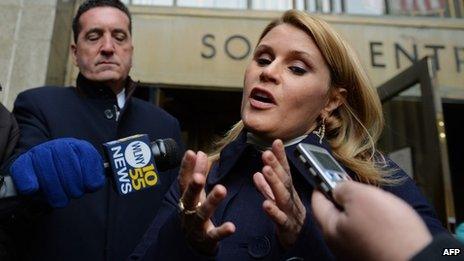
121, 97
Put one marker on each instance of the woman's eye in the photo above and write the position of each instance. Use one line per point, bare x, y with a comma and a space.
297, 70
263, 61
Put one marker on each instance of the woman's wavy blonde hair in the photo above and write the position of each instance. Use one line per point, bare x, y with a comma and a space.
353, 129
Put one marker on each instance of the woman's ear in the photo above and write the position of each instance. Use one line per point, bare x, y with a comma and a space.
336, 98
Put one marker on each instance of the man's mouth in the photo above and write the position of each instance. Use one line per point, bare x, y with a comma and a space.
106, 63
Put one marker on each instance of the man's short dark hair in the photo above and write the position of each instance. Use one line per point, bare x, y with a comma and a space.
89, 4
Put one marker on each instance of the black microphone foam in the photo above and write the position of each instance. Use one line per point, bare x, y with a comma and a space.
166, 153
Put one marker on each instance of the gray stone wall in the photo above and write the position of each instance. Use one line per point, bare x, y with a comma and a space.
26, 30
62, 37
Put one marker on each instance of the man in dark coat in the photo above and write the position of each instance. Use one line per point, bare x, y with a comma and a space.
9, 134
102, 225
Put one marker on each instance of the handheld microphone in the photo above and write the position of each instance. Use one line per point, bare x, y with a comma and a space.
163, 154
135, 161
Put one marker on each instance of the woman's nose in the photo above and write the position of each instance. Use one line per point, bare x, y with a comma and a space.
270, 73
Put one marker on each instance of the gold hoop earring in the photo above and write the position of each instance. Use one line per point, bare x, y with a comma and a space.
320, 132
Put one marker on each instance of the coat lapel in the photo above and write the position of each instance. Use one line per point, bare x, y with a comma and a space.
228, 159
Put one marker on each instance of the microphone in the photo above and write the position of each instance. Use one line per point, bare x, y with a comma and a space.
165, 153
128, 170
135, 161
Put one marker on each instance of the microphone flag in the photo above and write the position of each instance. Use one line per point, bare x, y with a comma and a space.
132, 163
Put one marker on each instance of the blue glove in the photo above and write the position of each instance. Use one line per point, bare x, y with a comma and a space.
62, 169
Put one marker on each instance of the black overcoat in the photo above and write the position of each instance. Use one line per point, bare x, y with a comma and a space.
101, 225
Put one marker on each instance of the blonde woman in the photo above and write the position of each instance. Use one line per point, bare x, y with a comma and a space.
304, 84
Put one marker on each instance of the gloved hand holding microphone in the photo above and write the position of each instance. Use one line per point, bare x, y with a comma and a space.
61, 169
66, 168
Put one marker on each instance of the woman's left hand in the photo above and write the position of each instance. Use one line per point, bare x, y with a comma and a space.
282, 204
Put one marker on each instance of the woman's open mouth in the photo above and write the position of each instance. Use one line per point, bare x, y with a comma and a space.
261, 99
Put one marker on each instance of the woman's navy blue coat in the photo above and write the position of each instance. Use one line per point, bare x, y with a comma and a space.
255, 232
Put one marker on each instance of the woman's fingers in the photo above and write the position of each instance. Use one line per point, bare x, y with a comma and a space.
218, 233
271, 160
279, 151
277, 215
193, 178
186, 169
201, 163
279, 190
287, 210
277, 174
263, 186
192, 194
206, 210
196, 218
200, 230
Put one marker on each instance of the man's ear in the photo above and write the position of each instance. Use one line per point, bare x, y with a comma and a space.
336, 98
74, 53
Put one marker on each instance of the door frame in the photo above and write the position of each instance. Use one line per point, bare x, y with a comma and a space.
423, 73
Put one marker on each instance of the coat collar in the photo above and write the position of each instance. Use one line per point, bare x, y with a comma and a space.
234, 150
98, 90
228, 157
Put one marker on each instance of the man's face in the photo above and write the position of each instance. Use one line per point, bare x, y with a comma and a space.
103, 51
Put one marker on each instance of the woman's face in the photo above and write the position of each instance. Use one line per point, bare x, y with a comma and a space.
286, 85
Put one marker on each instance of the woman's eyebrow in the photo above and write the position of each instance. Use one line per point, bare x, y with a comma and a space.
307, 57
302, 54
262, 47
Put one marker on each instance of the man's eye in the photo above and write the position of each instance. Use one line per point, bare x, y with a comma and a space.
93, 37
120, 37
297, 70
263, 61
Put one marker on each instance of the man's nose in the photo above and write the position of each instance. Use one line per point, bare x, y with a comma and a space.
107, 47
271, 73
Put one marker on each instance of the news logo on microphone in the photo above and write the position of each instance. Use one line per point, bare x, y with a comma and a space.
132, 163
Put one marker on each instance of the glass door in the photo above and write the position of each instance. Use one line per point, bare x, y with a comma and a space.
414, 134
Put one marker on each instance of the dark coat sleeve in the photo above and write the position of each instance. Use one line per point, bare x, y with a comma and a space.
9, 134
31, 121
435, 250
32, 125
164, 239
33, 131
13, 210
409, 192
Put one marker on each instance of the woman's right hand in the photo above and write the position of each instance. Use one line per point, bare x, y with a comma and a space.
197, 207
